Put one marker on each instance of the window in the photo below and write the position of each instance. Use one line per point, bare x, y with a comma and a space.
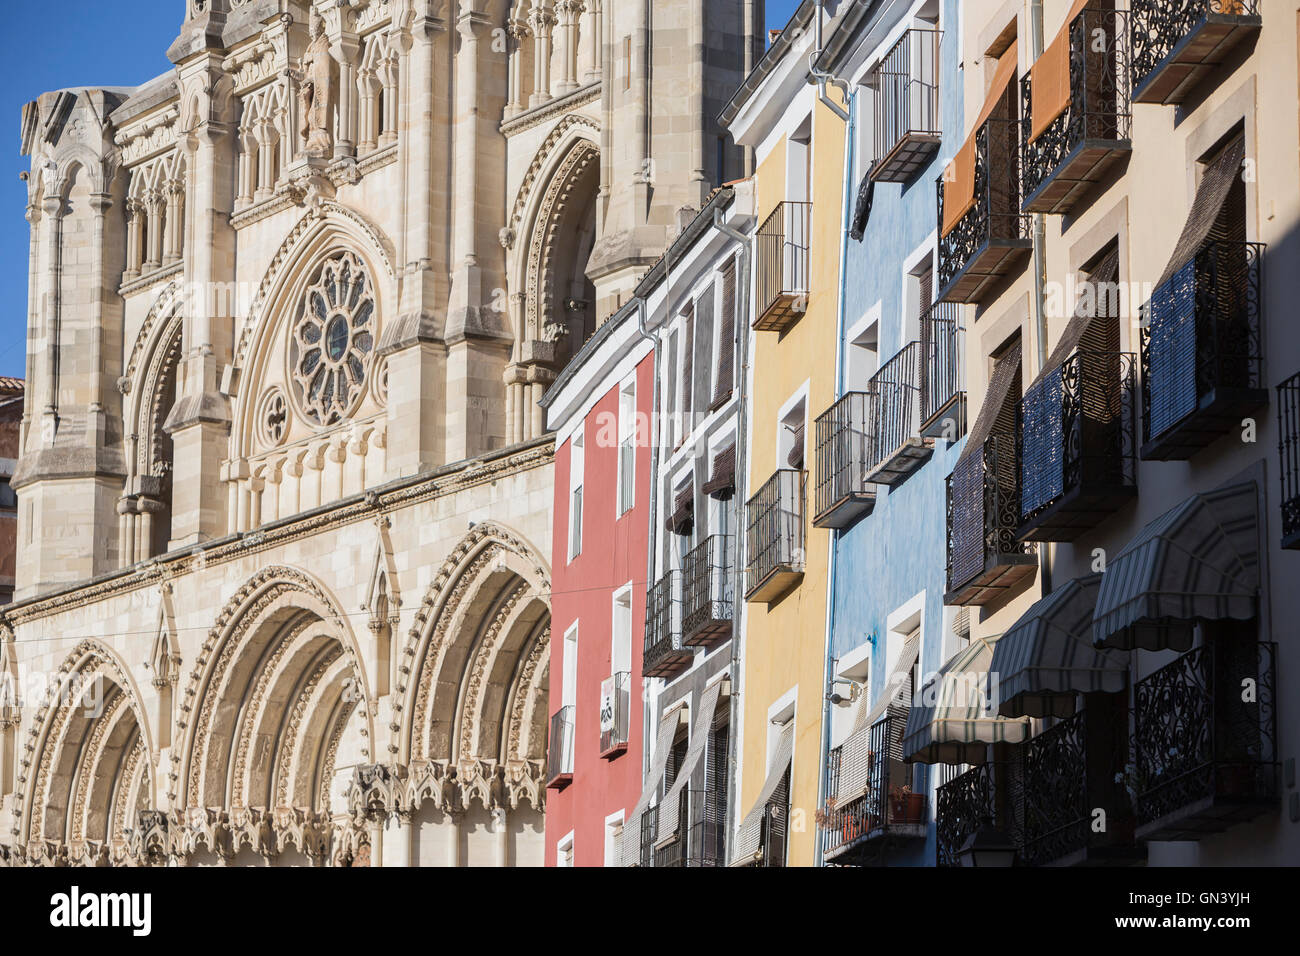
671, 425
627, 430
613, 839
577, 469
620, 651
569, 678
790, 443
725, 371
863, 357
564, 851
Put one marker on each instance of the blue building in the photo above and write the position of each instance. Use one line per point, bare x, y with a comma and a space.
885, 449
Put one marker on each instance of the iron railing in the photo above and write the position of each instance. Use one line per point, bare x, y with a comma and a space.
1076, 431
895, 404
843, 451
996, 214
961, 807
942, 381
1205, 729
649, 833
1099, 108
782, 265
560, 753
1288, 453
1201, 334
983, 510
776, 825
615, 711
663, 650
707, 598
872, 786
774, 533
1056, 818
1160, 26
701, 831
907, 105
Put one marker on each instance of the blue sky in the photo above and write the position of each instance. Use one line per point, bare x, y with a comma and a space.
100, 43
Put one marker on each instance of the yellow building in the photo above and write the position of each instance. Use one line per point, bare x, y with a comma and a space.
798, 142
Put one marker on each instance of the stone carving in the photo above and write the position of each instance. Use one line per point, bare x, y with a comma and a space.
315, 77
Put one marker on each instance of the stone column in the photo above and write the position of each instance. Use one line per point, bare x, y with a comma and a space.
134, 222
567, 12
156, 205
265, 161
397, 838
148, 507
368, 122
453, 818
126, 531
595, 37
344, 50
542, 20
175, 220
501, 825
519, 32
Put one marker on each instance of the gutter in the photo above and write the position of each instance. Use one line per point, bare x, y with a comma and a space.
737, 572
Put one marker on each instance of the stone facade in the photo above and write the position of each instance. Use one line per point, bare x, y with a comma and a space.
284, 493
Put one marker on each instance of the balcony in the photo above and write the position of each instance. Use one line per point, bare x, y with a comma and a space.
664, 654
843, 494
559, 758
776, 826
986, 560
907, 107
1288, 449
943, 384
991, 240
701, 835
1076, 443
1072, 153
895, 448
615, 714
774, 537
1177, 45
1204, 759
782, 267
884, 811
961, 807
707, 592
1201, 353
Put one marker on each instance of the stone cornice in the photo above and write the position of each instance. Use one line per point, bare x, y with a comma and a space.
382, 500
549, 110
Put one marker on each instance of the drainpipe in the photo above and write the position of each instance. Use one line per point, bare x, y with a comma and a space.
824, 78
737, 572
1040, 287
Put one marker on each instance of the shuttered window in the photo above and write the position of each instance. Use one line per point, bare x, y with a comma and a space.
726, 337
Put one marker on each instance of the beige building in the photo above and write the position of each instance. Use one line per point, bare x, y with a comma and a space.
283, 489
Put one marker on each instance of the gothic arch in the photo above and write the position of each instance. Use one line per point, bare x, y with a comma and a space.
277, 680
470, 667
92, 766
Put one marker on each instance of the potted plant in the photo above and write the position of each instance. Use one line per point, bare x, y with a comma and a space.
906, 807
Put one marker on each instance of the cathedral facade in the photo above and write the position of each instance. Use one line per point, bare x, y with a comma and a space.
282, 584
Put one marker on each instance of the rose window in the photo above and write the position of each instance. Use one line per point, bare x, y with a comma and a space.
333, 339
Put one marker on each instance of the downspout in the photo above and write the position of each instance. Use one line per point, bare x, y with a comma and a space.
1040, 287
823, 79
737, 573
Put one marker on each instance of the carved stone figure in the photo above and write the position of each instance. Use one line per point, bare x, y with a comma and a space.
315, 76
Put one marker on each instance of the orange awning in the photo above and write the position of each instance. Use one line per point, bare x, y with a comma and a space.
959, 178
1049, 77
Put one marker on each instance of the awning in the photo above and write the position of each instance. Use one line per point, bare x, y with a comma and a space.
722, 480
959, 181
855, 752
1210, 197
1198, 561
1047, 658
995, 396
682, 518
630, 847
954, 721
1049, 77
749, 839
669, 806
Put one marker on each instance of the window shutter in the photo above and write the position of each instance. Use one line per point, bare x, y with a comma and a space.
727, 336
796, 450
688, 372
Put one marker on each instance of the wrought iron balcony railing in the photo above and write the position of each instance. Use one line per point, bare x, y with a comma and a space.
774, 537
1205, 751
1201, 352
1177, 45
943, 380
1076, 434
884, 806
895, 448
664, 654
776, 826
961, 807
1288, 452
992, 239
559, 761
708, 600
907, 123
1055, 807
843, 493
1075, 151
782, 247
701, 832
986, 559
615, 713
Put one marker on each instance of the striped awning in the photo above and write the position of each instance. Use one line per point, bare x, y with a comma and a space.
670, 805
1047, 657
1198, 561
749, 839
955, 720
630, 848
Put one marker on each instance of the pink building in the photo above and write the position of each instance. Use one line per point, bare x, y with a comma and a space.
599, 408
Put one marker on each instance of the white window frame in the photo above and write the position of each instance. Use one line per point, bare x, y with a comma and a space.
577, 475
569, 669
564, 851
627, 435
621, 600
612, 846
